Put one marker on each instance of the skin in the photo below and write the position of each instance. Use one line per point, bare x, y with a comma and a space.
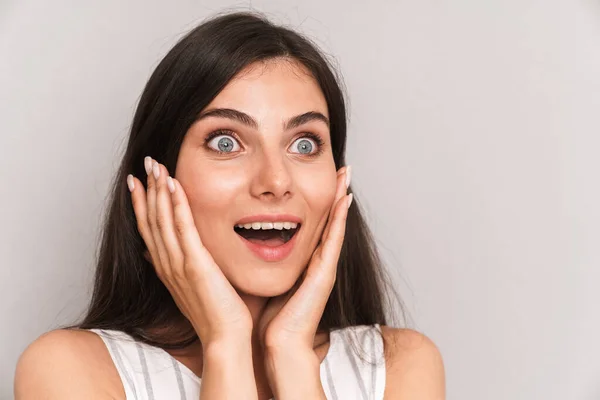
257, 321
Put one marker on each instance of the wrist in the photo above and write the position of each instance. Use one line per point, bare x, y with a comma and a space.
294, 374
227, 370
227, 348
292, 353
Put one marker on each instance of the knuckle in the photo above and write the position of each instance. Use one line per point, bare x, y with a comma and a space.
151, 222
179, 221
179, 273
150, 183
180, 228
151, 217
161, 222
190, 272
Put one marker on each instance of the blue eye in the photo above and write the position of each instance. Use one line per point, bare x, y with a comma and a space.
224, 144
304, 146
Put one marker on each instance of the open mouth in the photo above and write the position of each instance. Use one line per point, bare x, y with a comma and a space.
268, 234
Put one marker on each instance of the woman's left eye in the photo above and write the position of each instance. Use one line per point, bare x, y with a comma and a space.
304, 145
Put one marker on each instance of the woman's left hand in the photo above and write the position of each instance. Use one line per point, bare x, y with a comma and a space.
289, 322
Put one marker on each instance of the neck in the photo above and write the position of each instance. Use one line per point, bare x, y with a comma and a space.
256, 305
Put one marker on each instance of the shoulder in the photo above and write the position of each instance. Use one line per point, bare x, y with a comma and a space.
414, 365
66, 364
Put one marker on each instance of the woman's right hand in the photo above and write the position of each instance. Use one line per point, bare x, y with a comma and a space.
183, 264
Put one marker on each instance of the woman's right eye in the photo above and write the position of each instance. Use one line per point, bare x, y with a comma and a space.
224, 143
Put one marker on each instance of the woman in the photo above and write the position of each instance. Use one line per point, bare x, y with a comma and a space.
232, 250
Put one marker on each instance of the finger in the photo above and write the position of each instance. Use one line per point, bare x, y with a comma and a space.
341, 189
140, 209
189, 240
330, 252
152, 219
340, 192
313, 294
164, 220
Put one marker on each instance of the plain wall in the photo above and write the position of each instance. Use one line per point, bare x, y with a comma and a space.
474, 140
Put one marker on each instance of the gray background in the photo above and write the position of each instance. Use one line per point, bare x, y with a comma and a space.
474, 141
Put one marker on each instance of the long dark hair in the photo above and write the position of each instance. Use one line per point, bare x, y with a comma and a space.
128, 295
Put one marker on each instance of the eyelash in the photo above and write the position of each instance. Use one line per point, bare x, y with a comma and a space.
220, 132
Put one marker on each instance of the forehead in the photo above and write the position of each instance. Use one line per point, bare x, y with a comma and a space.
272, 88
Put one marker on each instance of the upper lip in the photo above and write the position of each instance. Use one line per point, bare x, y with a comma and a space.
269, 218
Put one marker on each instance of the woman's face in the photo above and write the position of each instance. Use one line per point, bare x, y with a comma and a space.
257, 170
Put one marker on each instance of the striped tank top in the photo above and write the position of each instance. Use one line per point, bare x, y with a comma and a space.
150, 373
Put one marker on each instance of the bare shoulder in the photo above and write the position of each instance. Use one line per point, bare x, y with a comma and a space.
414, 366
67, 364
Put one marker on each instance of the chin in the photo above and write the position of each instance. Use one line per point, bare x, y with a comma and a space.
266, 281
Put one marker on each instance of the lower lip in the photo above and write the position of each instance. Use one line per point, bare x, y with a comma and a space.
271, 254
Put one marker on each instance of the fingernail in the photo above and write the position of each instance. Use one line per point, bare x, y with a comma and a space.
130, 182
170, 184
148, 164
350, 197
348, 176
155, 170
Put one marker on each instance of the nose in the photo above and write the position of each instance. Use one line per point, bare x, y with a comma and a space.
272, 179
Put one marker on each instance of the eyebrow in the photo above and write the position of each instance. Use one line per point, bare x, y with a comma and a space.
247, 120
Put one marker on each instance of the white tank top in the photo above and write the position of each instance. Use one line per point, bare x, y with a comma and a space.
150, 373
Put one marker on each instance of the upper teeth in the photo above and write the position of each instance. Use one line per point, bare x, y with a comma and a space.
268, 225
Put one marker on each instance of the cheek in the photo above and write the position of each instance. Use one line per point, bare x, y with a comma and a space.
318, 190
214, 189
212, 196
